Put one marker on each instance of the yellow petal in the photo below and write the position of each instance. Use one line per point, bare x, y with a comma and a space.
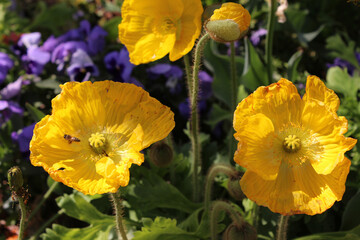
316, 90
235, 12
279, 101
148, 28
256, 146
189, 28
327, 128
298, 190
131, 105
122, 114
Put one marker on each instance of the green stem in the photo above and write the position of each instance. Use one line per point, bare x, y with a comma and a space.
118, 215
188, 73
195, 142
43, 199
234, 91
269, 40
23, 218
282, 227
215, 170
47, 223
219, 206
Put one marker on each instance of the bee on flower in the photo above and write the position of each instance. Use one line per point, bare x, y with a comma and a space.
96, 132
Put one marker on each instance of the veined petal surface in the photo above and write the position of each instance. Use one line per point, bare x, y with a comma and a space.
96, 132
293, 148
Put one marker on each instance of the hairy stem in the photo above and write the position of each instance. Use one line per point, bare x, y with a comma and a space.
215, 170
234, 91
269, 40
219, 206
282, 227
118, 215
23, 218
188, 74
196, 147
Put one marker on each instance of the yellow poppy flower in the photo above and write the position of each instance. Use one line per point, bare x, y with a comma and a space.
152, 29
293, 148
96, 132
228, 23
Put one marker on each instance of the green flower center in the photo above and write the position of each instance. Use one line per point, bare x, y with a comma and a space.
292, 144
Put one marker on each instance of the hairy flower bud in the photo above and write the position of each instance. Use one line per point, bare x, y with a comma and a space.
243, 232
15, 178
235, 189
161, 154
228, 23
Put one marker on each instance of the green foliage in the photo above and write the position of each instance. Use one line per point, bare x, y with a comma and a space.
162, 229
344, 49
35, 113
219, 65
346, 235
153, 192
351, 216
340, 81
254, 73
78, 206
52, 19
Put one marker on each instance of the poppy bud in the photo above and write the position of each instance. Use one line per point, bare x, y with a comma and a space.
161, 154
15, 178
235, 189
243, 232
228, 23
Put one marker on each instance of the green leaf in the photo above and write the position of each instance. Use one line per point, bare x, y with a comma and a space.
254, 74
293, 64
217, 115
53, 18
340, 81
50, 83
35, 113
345, 235
154, 192
111, 27
351, 216
162, 229
78, 206
342, 49
219, 64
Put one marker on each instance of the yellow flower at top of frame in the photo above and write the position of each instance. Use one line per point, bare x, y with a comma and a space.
96, 132
150, 29
228, 23
293, 148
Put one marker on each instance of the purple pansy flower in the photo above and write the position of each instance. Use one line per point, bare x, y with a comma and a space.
118, 64
32, 56
12, 89
81, 67
23, 138
256, 36
173, 74
338, 62
7, 109
95, 37
62, 53
29, 40
5, 65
